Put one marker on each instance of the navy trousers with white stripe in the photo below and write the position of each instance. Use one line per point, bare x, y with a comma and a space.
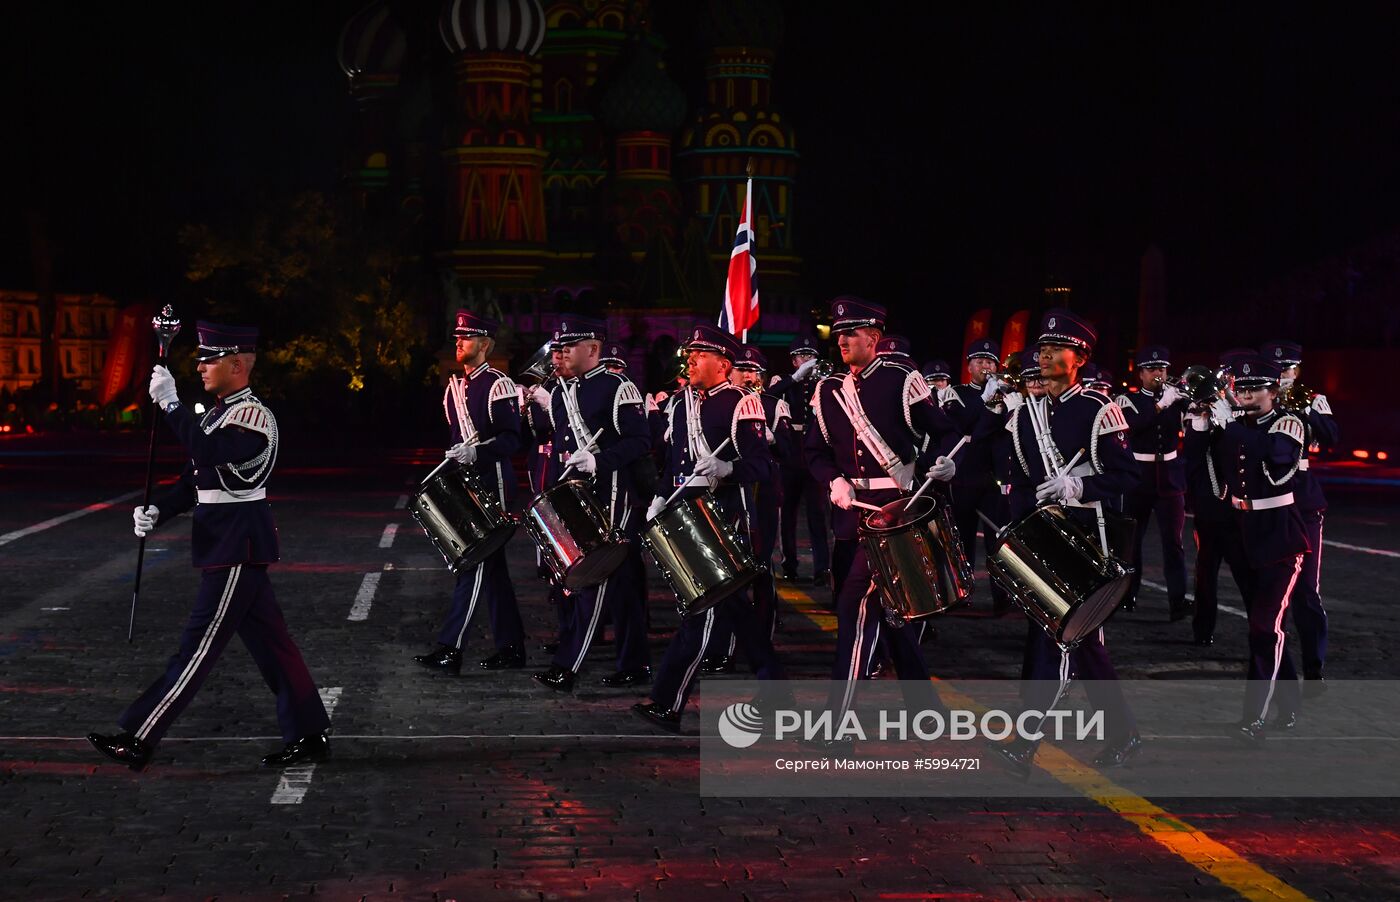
736, 616
625, 601
1309, 616
232, 600
489, 582
1088, 662
1270, 670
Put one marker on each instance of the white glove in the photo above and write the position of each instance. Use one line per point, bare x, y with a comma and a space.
541, 396
1221, 413
659, 397
768, 434
1063, 489
657, 505
992, 387
145, 520
1320, 405
463, 453
583, 461
842, 493
1200, 422
947, 395
774, 381
1013, 400
713, 466
1170, 395
802, 371
162, 387
943, 469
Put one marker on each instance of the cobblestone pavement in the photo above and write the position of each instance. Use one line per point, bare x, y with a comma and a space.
487, 787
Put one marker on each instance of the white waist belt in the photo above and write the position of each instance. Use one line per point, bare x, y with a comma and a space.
1154, 458
874, 484
1261, 504
219, 496
797, 427
1303, 464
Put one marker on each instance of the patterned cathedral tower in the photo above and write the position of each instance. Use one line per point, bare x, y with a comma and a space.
737, 122
495, 223
371, 54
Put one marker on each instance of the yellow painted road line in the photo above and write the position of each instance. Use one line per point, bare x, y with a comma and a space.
1190, 844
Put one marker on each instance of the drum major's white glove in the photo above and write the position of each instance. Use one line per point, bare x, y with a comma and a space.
541, 396
1220, 412
463, 453
991, 388
144, 520
713, 466
801, 372
657, 505
1170, 395
947, 395
1064, 489
1013, 400
842, 493
943, 469
583, 461
162, 388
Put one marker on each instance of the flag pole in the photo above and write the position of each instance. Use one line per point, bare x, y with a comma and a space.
748, 208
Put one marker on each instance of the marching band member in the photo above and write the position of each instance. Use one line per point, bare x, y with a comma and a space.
232, 450
1309, 616
896, 348
1097, 379
1154, 414
711, 410
973, 408
748, 374
537, 427
1251, 461
592, 403
1079, 419
799, 487
483, 414
1214, 525
870, 429
936, 374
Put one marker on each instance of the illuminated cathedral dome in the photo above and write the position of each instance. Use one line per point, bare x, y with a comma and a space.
372, 43
644, 98
492, 26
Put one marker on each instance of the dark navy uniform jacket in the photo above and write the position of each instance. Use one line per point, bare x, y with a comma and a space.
1322, 432
798, 398
900, 405
1078, 420
1251, 464
786, 446
232, 449
1155, 439
484, 407
609, 402
977, 460
725, 412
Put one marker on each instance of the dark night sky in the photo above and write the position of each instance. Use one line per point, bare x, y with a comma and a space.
962, 156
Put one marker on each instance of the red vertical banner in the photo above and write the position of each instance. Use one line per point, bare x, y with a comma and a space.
979, 325
125, 351
1013, 334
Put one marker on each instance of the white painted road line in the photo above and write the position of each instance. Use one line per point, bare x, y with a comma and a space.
1379, 552
365, 597
401, 503
1189, 597
295, 781
387, 540
9, 537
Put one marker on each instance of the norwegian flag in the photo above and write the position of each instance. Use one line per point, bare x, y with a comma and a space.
740, 311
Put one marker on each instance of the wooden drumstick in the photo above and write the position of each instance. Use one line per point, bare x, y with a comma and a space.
691, 478
869, 507
928, 482
438, 468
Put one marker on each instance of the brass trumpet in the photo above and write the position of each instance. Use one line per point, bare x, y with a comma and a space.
539, 369
1296, 398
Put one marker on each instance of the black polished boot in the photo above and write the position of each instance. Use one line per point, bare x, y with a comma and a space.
717, 664
1313, 684
444, 658
1180, 609
659, 716
1116, 754
556, 678
1019, 756
1285, 721
123, 748
306, 750
550, 648
821, 578
512, 657
1252, 732
637, 676
1203, 641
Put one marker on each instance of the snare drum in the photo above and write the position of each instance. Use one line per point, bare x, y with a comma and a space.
465, 520
1054, 569
577, 543
699, 553
916, 558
